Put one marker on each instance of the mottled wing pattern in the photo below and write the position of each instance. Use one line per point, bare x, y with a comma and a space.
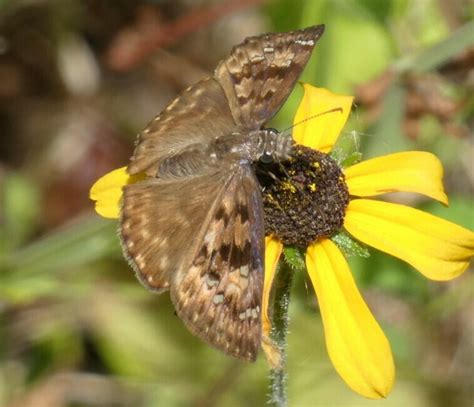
218, 295
157, 228
261, 72
197, 116
195, 225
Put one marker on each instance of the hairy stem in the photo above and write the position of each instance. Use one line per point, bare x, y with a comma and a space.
278, 378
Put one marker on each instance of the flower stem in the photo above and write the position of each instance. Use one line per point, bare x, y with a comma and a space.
278, 377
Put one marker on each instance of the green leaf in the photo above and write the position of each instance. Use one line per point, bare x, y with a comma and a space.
349, 246
295, 258
285, 15
380, 10
130, 340
459, 210
21, 290
346, 151
77, 243
344, 57
388, 131
21, 207
441, 52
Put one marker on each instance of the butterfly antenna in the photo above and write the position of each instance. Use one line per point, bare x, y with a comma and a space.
334, 110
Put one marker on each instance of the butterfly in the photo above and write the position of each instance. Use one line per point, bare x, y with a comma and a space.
194, 225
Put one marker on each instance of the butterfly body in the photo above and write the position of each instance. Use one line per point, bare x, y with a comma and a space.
194, 226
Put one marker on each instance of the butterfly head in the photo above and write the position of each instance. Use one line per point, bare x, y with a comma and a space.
273, 146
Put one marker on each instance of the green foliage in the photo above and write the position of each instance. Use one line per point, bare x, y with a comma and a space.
440, 52
294, 257
346, 151
349, 246
21, 205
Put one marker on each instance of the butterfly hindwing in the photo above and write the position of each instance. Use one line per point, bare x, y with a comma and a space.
156, 228
219, 294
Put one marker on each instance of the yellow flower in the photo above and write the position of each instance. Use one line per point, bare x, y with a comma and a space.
107, 191
438, 249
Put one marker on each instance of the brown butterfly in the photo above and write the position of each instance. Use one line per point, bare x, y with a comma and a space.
194, 226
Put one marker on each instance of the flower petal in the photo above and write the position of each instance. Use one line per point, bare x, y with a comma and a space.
439, 249
273, 249
107, 191
356, 344
412, 171
321, 132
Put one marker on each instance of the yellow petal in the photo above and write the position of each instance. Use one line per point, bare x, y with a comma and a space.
273, 249
107, 191
439, 249
321, 132
412, 171
356, 344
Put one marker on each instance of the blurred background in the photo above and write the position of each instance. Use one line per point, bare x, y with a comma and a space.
80, 78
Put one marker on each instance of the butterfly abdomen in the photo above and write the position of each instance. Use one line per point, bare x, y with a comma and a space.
194, 160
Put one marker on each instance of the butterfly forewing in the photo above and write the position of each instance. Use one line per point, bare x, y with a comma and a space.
200, 114
248, 88
261, 72
195, 225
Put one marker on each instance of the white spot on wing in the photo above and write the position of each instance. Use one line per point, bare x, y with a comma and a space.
304, 42
164, 262
218, 298
233, 288
244, 271
211, 282
210, 236
257, 58
139, 260
172, 104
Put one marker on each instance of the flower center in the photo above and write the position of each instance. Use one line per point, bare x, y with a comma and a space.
304, 197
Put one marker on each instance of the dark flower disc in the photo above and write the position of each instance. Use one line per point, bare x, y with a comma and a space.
304, 197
